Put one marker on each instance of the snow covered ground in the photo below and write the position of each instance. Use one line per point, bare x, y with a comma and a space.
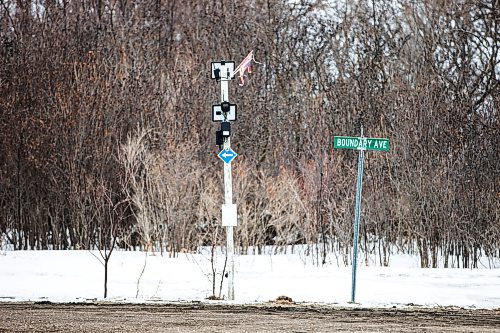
77, 276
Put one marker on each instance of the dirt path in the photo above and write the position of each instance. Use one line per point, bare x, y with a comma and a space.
201, 317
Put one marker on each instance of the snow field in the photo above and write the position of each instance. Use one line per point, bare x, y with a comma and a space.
76, 276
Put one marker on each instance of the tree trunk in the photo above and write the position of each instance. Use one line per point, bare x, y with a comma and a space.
106, 260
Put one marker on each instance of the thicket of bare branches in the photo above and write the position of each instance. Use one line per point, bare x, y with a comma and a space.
105, 131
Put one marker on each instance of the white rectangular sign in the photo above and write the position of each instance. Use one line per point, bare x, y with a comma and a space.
216, 66
229, 215
218, 115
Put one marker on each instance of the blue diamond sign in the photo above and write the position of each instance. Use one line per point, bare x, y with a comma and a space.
227, 155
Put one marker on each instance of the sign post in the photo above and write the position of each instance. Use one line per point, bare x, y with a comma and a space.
224, 113
361, 144
357, 213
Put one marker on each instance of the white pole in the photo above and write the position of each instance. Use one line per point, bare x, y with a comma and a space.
228, 191
228, 199
224, 84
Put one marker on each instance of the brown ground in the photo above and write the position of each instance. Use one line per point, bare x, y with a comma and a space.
207, 317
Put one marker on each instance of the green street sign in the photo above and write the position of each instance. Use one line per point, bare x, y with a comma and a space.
347, 142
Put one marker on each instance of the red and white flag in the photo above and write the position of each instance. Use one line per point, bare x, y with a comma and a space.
245, 66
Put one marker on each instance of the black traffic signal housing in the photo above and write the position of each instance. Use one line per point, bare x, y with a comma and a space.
219, 139
225, 128
225, 107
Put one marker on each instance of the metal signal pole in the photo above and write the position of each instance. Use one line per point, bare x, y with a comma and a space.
228, 191
224, 113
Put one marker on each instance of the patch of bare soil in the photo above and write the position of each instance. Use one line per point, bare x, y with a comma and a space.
208, 317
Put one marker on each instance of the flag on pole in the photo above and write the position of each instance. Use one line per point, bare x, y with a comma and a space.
245, 66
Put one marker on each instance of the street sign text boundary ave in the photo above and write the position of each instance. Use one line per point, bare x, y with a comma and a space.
348, 142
